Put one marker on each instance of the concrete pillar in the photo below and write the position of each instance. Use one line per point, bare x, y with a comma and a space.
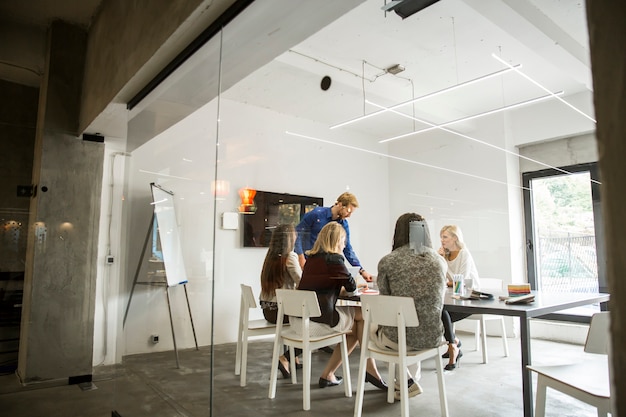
56, 340
607, 37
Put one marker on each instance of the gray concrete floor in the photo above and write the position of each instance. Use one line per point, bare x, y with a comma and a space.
151, 385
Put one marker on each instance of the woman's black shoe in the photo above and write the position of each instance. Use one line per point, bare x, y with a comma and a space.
323, 383
285, 372
447, 355
453, 366
378, 383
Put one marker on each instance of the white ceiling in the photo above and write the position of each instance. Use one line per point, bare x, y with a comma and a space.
449, 43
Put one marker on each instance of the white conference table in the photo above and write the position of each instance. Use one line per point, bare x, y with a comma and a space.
544, 303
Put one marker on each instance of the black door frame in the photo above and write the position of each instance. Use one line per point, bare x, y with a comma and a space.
594, 172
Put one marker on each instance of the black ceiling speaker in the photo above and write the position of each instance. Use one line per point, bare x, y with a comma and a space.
93, 137
325, 84
405, 8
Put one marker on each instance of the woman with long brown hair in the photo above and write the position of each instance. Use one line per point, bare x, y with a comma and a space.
281, 269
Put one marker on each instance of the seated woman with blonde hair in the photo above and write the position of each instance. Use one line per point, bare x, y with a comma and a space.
460, 261
325, 273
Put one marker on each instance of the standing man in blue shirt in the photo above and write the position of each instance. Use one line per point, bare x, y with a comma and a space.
314, 220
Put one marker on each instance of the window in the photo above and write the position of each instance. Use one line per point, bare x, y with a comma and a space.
564, 242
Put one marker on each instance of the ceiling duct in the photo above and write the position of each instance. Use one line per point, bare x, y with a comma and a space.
405, 8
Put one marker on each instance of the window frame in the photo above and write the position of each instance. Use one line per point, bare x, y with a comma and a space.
531, 268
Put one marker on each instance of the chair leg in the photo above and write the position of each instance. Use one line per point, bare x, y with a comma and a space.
540, 400
391, 383
238, 358
443, 399
244, 359
274, 366
505, 344
238, 354
360, 384
292, 365
404, 387
346, 367
243, 311
604, 411
483, 335
306, 379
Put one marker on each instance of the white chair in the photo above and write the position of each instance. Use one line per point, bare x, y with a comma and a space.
480, 333
304, 304
398, 312
248, 328
587, 381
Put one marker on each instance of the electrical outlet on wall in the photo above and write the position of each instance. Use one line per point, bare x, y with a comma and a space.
154, 338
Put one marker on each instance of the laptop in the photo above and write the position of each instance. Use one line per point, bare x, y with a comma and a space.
354, 271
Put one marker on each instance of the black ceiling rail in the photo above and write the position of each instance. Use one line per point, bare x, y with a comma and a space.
233, 11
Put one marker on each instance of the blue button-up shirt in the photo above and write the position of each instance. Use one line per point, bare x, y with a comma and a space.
310, 227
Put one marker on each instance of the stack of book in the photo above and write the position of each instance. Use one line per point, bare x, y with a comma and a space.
474, 295
518, 299
478, 295
518, 289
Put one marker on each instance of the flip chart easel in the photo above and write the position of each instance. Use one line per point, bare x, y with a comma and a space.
171, 257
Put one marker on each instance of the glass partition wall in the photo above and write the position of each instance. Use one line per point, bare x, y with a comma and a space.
417, 115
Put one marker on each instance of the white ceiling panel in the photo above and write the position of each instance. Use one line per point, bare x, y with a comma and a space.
443, 47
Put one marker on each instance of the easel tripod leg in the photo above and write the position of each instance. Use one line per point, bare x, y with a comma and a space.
193, 329
169, 307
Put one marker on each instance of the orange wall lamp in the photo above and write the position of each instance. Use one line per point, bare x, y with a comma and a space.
247, 200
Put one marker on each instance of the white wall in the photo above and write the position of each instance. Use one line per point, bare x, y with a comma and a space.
109, 300
481, 196
470, 191
472, 182
561, 152
254, 151
478, 193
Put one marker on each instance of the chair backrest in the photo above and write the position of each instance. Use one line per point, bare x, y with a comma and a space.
298, 303
598, 338
247, 297
388, 310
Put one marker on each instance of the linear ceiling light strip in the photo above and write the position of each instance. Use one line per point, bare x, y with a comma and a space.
330, 142
474, 116
160, 174
430, 95
543, 88
445, 129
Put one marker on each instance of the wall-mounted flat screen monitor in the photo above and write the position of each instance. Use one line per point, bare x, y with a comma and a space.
273, 209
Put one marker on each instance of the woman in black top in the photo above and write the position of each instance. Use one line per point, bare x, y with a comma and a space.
325, 273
